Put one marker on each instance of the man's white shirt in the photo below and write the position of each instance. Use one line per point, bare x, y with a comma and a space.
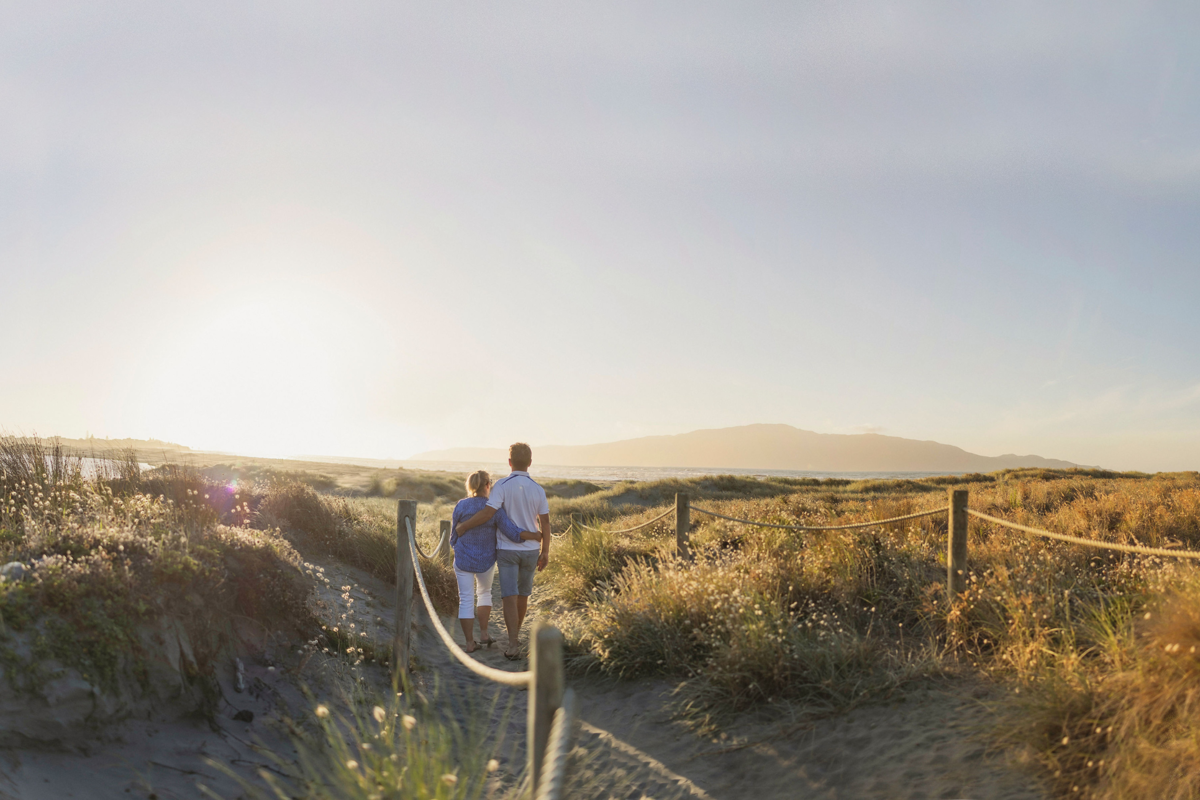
523, 500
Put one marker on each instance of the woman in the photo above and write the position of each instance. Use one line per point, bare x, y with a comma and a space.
475, 557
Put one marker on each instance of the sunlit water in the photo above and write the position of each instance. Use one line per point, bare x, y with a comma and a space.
657, 473
93, 467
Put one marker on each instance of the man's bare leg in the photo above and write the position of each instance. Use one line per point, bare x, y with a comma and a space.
512, 621
522, 607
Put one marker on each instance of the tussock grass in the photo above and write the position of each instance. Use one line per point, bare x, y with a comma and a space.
627, 497
357, 531
1095, 646
253, 473
424, 487
1119, 715
408, 746
107, 555
586, 567
761, 615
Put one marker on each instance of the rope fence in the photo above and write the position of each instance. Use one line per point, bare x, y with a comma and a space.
553, 709
554, 767
482, 670
1062, 537
661, 516
436, 551
851, 526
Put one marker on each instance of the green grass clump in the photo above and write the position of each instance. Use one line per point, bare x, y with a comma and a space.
1118, 715
757, 617
424, 487
1101, 649
587, 565
251, 473
360, 532
104, 563
406, 747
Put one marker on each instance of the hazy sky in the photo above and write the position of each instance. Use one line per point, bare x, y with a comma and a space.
378, 228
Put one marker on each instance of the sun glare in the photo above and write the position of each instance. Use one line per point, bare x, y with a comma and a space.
267, 374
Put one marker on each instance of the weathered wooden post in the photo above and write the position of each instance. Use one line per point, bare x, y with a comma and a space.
683, 524
406, 511
545, 694
576, 530
956, 553
447, 555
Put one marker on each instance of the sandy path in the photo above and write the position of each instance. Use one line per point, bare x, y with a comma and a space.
166, 757
930, 743
927, 746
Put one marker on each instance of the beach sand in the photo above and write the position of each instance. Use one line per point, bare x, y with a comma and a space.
930, 741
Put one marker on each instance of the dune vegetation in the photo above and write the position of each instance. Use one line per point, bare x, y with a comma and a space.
93, 560
1097, 652
105, 565
1093, 655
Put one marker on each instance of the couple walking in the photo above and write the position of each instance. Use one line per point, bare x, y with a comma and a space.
507, 525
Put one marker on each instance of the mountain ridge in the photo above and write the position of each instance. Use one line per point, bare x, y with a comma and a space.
763, 446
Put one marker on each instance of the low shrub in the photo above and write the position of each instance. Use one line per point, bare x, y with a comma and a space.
1124, 720
1064, 625
358, 532
101, 565
407, 745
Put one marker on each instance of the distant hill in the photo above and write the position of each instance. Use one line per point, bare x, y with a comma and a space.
763, 447
102, 445
153, 451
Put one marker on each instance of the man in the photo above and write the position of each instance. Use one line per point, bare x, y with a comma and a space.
525, 503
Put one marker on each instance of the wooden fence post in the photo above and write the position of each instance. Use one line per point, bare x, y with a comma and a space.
956, 553
447, 553
405, 578
576, 531
683, 524
545, 694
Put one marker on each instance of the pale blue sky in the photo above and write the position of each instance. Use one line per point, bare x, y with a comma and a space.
315, 228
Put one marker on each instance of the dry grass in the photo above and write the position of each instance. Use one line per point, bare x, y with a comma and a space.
1105, 697
357, 531
1100, 650
760, 616
109, 554
402, 746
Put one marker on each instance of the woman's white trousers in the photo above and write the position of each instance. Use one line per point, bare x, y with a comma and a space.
470, 586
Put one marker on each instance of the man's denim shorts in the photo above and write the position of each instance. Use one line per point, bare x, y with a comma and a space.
516, 571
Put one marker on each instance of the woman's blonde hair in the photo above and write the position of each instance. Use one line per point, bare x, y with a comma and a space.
477, 480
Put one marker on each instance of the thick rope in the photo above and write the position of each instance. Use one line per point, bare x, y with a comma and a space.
871, 524
668, 513
484, 671
436, 550
558, 747
1062, 537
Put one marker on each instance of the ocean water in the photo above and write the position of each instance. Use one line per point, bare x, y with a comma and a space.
655, 473
94, 467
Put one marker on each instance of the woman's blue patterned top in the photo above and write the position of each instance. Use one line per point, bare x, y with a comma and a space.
475, 550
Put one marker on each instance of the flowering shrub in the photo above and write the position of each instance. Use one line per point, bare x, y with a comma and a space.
101, 565
359, 532
1101, 649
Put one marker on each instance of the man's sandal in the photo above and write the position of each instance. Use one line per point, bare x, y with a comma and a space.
513, 656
